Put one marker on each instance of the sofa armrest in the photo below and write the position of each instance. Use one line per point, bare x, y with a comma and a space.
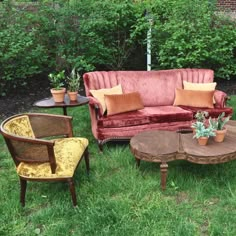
94, 103
220, 98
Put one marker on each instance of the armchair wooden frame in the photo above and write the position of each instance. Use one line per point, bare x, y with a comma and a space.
40, 149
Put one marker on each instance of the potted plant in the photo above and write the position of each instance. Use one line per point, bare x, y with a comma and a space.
203, 133
57, 83
200, 116
218, 124
73, 82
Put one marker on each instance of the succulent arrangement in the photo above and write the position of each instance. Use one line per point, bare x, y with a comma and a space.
203, 131
219, 122
211, 127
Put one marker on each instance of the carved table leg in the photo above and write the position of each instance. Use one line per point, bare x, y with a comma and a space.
164, 169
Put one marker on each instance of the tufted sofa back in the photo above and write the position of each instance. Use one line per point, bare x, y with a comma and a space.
156, 88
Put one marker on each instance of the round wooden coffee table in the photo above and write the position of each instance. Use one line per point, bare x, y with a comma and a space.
49, 103
165, 146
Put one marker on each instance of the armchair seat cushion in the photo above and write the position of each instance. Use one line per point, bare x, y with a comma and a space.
68, 152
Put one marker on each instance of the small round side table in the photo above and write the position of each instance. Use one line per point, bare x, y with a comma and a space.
49, 103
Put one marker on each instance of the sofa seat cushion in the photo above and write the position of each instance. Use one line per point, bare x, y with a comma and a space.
131, 118
213, 112
161, 114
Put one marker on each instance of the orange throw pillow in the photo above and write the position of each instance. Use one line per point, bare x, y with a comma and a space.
119, 103
193, 98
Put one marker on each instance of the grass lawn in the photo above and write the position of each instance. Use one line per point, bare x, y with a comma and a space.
119, 199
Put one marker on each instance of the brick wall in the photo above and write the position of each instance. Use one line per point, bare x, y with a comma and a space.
227, 4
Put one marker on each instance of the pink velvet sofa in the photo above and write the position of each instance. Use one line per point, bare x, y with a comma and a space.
157, 91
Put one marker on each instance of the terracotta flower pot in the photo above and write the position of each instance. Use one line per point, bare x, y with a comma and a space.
202, 141
72, 96
58, 95
220, 135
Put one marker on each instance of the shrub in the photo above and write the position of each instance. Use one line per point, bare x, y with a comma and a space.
62, 35
21, 55
191, 34
111, 35
109, 32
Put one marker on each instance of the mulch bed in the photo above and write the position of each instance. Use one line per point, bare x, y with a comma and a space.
22, 100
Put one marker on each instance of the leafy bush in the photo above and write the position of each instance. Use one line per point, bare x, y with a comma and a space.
109, 32
60, 35
85, 35
191, 34
91, 34
21, 55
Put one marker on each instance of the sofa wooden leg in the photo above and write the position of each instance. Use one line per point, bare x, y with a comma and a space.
23, 185
100, 145
72, 191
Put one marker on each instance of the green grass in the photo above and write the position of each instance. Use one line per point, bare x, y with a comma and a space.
119, 199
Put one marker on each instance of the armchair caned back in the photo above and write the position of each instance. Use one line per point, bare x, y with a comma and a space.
23, 134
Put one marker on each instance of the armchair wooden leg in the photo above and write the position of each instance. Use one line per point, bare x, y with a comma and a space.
72, 191
86, 158
23, 185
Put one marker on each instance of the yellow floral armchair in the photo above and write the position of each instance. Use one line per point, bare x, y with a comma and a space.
44, 149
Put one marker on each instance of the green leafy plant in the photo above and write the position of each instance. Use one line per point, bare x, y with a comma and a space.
176, 23
21, 55
76, 34
110, 40
73, 81
57, 79
203, 131
219, 122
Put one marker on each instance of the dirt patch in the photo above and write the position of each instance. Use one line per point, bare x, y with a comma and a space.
22, 100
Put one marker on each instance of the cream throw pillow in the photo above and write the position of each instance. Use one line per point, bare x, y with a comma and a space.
200, 87
99, 94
